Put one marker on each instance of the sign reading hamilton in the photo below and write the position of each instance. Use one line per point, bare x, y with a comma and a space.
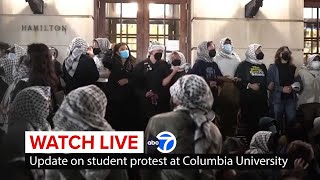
36, 28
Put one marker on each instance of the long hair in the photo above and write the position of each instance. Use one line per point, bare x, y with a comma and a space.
130, 59
277, 58
42, 71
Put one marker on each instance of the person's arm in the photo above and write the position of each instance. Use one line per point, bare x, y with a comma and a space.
218, 74
271, 80
241, 74
299, 80
138, 80
92, 70
105, 73
107, 60
166, 81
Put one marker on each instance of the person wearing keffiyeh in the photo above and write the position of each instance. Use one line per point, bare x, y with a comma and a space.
79, 68
83, 109
228, 99
28, 112
253, 91
190, 122
207, 68
148, 76
11, 60
309, 99
179, 67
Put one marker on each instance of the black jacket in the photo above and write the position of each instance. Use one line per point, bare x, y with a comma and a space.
117, 93
85, 74
149, 76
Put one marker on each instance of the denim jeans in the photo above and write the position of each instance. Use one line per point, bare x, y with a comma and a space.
285, 108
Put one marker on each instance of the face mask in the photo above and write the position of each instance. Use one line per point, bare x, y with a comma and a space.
317, 58
227, 48
212, 53
124, 54
96, 51
176, 62
260, 56
12, 56
315, 65
158, 56
286, 56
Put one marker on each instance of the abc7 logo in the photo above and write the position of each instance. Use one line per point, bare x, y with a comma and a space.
165, 142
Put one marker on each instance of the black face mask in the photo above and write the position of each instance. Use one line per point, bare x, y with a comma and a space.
176, 62
286, 56
96, 51
317, 58
158, 56
260, 56
212, 53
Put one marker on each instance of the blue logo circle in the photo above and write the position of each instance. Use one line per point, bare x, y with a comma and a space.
167, 142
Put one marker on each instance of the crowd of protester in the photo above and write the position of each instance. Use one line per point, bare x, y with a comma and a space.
220, 105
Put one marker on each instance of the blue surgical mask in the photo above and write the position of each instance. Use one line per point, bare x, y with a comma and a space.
124, 54
12, 56
227, 48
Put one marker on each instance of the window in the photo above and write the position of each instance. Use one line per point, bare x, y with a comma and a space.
121, 20
164, 25
136, 22
311, 31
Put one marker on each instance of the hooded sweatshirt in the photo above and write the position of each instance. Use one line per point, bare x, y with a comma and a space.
311, 83
227, 63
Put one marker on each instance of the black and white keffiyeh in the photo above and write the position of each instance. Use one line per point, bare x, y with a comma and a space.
32, 105
221, 52
227, 63
155, 46
76, 48
104, 45
184, 65
9, 63
251, 56
83, 109
259, 143
192, 93
22, 70
203, 52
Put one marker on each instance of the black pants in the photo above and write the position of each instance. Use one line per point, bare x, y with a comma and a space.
310, 112
252, 109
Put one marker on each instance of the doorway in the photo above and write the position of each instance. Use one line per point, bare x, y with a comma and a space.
137, 22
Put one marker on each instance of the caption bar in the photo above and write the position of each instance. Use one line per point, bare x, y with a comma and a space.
146, 161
